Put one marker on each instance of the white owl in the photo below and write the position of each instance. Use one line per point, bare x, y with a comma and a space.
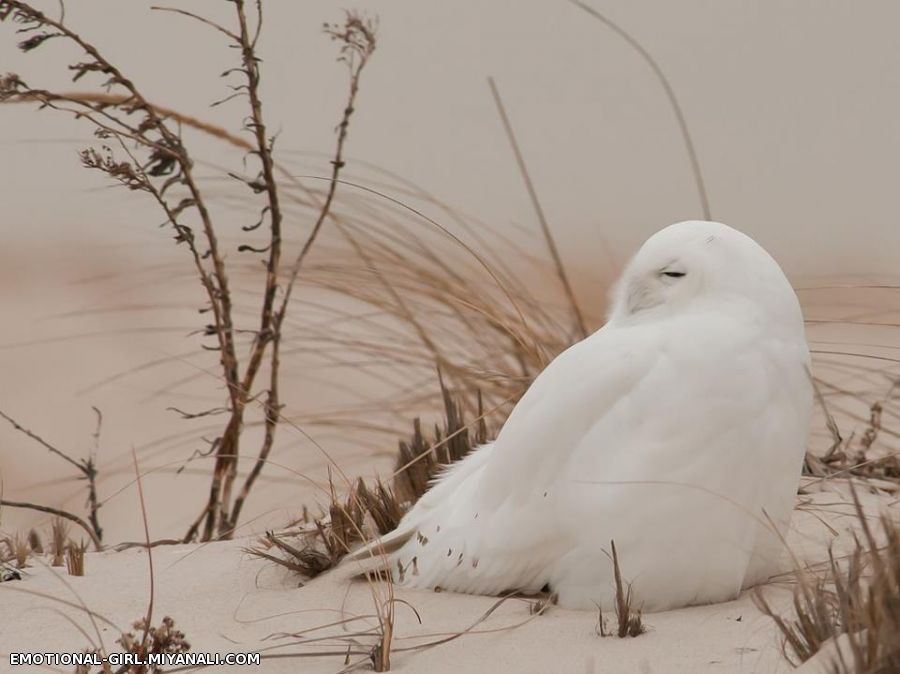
677, 430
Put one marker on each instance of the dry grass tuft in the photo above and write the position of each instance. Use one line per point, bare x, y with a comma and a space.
75, 558
35, 543
308, 561
629, 620
60, 540
420, 459
370, 511
846, 457
363, 513
17, 550
853, 611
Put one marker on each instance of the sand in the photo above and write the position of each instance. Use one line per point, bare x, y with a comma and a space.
228, 602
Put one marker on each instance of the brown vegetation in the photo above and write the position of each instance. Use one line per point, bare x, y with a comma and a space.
629, 619
366, 512
853, 609
130, 126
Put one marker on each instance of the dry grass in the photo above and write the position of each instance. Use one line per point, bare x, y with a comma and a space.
17, 550
853, 610
629, 619
320, 544
75, 558
35, 542
59, 541
420, 459
854, 454
314, 545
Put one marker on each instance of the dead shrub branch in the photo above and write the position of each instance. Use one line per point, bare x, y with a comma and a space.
147, 154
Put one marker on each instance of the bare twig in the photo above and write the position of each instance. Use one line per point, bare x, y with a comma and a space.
92, 97
90, 471
358, 39
59, 513
41, 441
268, 329
87, 467
152, 593
169, 164
201, 19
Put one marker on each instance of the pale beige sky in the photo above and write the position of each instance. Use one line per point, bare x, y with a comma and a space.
792, 104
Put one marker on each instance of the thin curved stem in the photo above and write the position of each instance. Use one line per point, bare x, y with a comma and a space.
670, 94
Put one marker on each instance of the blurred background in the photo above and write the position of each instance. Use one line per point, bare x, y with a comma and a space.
792, 110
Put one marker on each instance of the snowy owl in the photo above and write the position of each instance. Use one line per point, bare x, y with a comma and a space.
677, 430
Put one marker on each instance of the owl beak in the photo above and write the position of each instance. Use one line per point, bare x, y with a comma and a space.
641, 297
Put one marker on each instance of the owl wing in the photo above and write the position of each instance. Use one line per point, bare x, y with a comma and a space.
486, 525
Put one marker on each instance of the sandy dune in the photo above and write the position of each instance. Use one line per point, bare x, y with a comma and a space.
226, 602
